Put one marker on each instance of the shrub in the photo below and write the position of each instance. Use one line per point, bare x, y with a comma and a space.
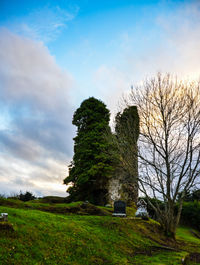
191, 196
191, 214
28, 196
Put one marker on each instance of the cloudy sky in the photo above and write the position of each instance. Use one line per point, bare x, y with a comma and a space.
55, 54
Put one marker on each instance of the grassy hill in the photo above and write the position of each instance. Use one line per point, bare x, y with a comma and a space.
42, 233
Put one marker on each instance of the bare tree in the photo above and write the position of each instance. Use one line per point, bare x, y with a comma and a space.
169, 143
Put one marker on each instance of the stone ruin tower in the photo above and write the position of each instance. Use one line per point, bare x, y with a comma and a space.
123, 185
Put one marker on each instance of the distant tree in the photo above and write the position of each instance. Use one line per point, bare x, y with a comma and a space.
27, 196
169, 144
191, 196
195, 195
190, 214
91, 166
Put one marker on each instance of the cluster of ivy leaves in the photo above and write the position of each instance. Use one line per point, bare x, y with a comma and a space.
92, 165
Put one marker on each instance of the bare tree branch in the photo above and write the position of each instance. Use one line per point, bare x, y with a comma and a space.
169, 144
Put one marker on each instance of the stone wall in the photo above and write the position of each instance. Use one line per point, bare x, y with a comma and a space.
123, 185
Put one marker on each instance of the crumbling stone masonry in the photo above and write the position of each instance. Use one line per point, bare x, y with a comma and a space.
123, 185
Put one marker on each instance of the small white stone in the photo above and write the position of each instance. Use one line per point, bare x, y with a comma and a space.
4, 214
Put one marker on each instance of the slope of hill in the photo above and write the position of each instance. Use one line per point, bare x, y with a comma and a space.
39, 237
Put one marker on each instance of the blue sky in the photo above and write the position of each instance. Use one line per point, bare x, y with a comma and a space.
55, 54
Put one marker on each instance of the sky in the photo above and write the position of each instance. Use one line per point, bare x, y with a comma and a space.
55, 54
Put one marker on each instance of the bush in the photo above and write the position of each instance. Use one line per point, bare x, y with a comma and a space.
191, 196
191, 214
28, 196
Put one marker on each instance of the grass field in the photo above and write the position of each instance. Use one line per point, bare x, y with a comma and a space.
41, 237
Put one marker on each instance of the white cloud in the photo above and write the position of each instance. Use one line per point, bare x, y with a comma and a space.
181, 31
171, 44
36, 135
43, 24
30, 73
174, 49
111, 84
42, 178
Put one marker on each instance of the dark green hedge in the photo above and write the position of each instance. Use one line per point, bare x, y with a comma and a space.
191, 214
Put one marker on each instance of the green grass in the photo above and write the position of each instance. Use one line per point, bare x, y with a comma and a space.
163, 257
62, 208
46, 238
187, 240
184, 233
187, 243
